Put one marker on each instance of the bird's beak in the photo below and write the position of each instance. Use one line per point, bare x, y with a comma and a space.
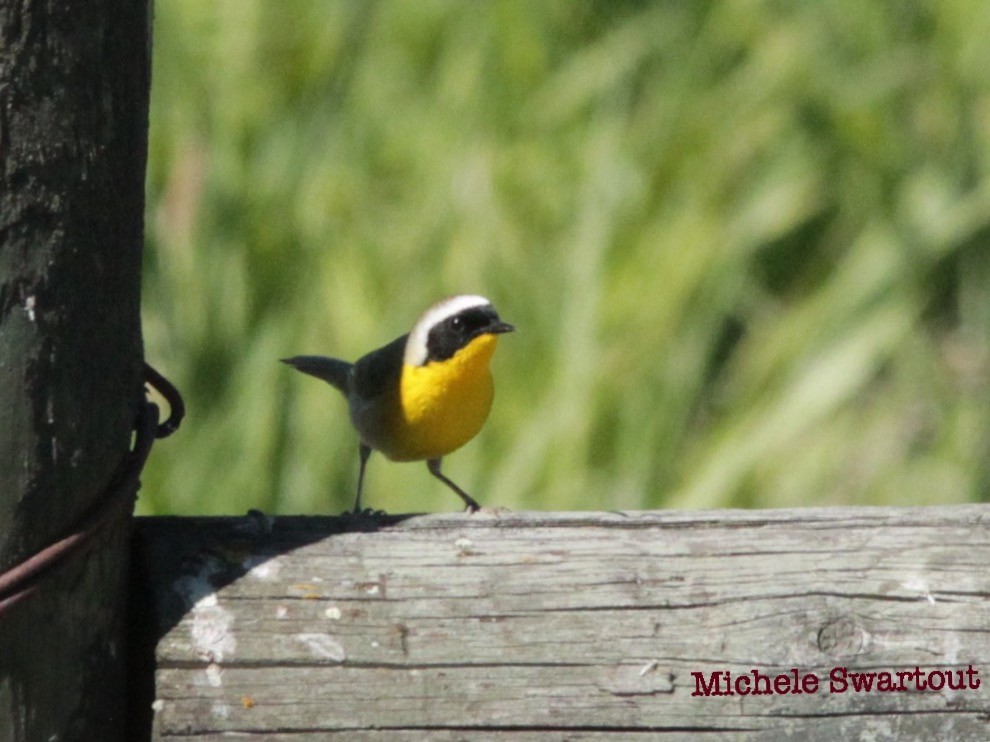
499, 327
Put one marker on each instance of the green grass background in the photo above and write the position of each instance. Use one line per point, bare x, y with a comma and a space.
746, 245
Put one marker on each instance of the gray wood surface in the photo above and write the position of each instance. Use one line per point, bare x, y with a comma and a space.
567, 625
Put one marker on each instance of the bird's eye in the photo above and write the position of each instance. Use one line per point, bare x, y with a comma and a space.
457, 323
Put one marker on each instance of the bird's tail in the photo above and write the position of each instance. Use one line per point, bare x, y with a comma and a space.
332, 370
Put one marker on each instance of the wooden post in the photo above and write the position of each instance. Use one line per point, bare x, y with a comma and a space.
74, 80
534, 626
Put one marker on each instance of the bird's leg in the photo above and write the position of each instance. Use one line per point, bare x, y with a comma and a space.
364, 451
434, 466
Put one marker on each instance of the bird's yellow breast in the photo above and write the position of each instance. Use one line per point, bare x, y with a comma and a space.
443, 404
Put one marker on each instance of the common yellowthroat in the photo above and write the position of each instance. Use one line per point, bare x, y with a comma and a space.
425, 394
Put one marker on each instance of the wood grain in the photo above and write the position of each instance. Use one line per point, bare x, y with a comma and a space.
74, 85
566, 625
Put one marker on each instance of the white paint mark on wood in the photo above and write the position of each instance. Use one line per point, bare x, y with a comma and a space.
263, 569
918, 584
210, 624
648, 667
323, 646
211, 631
214, 675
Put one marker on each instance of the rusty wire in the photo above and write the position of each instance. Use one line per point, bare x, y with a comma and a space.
24, 579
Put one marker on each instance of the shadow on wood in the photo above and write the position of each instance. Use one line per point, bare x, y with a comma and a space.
572, 625
180, 564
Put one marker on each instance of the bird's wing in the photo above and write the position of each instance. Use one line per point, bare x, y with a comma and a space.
379, 371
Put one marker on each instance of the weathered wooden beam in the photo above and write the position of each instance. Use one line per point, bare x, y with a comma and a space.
571, 625
74, 84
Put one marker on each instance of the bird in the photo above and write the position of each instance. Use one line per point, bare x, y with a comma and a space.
426, 393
